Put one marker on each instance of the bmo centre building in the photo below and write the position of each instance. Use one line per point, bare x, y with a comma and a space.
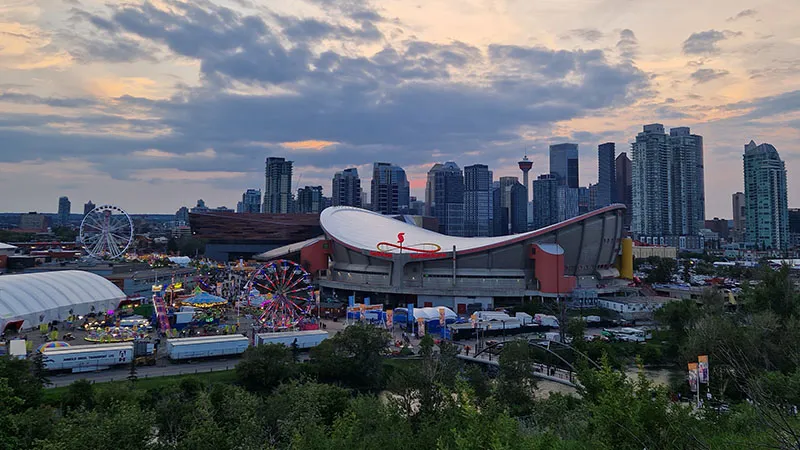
367, 255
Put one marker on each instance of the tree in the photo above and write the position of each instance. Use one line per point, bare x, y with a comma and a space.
21, 380
576, 330
353, 357
132, 372
516, 384
80, 394
264, 367
662, 271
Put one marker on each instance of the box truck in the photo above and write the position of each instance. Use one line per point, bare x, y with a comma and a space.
206, 346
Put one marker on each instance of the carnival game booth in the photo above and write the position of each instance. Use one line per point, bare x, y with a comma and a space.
29, 300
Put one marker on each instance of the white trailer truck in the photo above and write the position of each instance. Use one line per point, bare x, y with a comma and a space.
206, 346
304, 339
87, 358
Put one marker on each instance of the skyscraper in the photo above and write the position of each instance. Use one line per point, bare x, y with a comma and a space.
346, 188
564, 163
278, 186
389, 189
499, 212
668, 191
310, 200
584, 199
88, 207
525, 166
446, 186
689, 204
623, 177
477, 200
182, 215
545, 206
64, 209
606, 175
737, 203
765, 197
518, 212
251, 202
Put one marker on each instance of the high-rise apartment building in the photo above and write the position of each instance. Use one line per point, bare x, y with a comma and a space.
477, 200
310, 200
445, 185
584, 199
499, 212
739, 211
606, 175
277, 186
200, 207
251, 202
765, 197
182, 216
88, 207
346, 188
545, 196
623, 177
564, 163
518, 211
64, 209
389, 189
567, 202
668, 192
688, 178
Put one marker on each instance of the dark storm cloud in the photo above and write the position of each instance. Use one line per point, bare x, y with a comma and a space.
706, 75
743, 14
705, 42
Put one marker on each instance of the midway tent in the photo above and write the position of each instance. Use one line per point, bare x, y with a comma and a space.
27, 300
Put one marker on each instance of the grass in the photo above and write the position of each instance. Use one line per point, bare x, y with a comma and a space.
53, 396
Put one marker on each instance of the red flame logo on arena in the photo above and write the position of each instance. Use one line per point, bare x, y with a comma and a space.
426, 247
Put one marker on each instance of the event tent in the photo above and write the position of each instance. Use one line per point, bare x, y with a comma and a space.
26, 300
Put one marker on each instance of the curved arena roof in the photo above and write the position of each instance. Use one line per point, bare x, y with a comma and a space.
43, 297
366, 230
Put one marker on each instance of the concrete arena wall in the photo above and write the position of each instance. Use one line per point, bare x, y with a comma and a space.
590, 245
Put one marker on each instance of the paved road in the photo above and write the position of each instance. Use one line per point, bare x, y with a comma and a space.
121, 373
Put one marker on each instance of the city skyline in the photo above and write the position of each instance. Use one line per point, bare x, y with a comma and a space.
94, 106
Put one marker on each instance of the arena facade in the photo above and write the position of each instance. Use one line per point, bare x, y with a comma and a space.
392, 262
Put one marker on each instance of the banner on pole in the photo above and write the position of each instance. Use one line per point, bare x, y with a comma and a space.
693, 377
389, 318
702, 368
421, 327
441, 316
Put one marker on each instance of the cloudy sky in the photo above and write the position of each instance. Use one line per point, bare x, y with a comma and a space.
153, 105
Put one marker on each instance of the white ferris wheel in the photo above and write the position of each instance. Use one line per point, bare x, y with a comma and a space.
106, 232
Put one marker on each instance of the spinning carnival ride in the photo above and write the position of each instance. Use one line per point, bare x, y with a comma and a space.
284, 290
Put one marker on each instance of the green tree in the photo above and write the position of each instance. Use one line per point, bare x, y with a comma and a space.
21, 380
353, 357
516, 384
264, 367
79, 395
662, 271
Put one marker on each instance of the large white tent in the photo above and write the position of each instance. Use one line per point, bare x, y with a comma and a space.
26, 300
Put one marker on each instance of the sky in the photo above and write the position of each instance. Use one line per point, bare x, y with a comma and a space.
152, 105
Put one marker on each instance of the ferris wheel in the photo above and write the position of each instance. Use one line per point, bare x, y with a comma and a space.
106, 232
285, 291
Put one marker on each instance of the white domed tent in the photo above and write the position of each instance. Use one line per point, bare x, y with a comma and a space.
27, 300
